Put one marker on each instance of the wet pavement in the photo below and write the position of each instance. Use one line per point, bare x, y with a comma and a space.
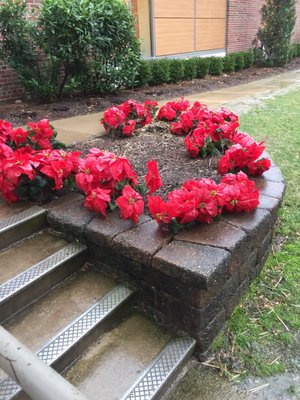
203, 383
239, 99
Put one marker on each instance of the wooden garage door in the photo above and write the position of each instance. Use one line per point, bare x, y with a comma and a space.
210, 24
183, 26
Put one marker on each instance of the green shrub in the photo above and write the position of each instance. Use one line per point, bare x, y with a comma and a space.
176, 70
239, 60
144, 73
190, 70
297, 52
215, 66
248, 59
229, 63
83, 43
202, 67
160, 71
271, 44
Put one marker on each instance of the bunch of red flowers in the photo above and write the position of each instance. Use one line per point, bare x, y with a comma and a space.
244, 155
207, 131
171, 111
30, 174
203, 200
127, 117
109, 181
29, 165
38, 136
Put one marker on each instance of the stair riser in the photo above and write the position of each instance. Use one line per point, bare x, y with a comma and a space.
21, 299
20, 231
108, 323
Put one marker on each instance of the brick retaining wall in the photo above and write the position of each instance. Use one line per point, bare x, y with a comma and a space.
190, 282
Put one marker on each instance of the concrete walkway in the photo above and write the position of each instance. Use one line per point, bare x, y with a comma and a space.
237, 98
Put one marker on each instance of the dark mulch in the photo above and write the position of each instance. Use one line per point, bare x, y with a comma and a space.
20, 113
156, 142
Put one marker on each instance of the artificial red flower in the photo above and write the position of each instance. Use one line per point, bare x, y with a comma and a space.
5, 130
153, 179
98, 200
158, 209
19, 136
129, 128
112, 118
121, 170
42, 133
257, 168
131, 204
5, 151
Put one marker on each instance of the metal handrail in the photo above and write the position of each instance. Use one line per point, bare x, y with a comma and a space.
37, 379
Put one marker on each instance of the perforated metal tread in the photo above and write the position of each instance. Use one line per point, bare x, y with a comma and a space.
73, 334
154, 379
14, 285
20, 218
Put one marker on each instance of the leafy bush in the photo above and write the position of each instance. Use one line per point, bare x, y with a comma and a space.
190, 70
176, 70
239, 60
248, 59
70, 43
160, 71
143, 73
274, 36
297, 49
202, 67
216, 66
229, 63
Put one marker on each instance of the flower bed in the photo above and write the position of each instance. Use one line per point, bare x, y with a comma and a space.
189, 278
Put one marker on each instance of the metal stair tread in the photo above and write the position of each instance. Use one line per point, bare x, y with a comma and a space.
20, 218
73, 333
19, 282
152, 381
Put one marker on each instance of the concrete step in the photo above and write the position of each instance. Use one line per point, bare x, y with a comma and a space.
136, 360
20, 290
21, 225
27, 252
73, 320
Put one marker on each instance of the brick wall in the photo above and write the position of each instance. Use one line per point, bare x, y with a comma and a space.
243, 20
296, 36
10, 88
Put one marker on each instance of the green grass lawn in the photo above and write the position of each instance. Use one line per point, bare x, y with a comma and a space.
262, 336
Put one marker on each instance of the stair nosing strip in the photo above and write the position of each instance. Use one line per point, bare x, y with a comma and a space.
125, 292
18, 219
168, 360
43, 266
100, 303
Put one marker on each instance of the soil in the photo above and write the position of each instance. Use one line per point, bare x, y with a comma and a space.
155, 142
21, 112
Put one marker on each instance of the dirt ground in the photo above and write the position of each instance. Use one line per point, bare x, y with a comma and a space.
21, 112
155, 142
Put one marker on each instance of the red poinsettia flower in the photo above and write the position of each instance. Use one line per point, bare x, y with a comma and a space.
153, 179
42, 133
5, 130
121, 170
5, 151
257, 168
131, 204
19, 136
98, 200
129, 128
158, 209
